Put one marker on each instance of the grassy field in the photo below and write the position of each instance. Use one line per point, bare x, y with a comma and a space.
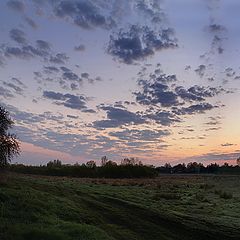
168, 207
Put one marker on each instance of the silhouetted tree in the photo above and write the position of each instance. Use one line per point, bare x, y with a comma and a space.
54, 163
194, 167
104, 161
131, 161
110, 163
168, 167
180, 168
212, 168
9, 145
91, 164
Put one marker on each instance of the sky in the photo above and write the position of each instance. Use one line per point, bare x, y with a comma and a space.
153, 79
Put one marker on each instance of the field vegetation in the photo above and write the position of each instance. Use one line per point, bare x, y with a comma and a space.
166, 207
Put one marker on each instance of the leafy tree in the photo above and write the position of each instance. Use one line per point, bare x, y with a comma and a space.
104, 160
179, 168
194, 167
54, 163
131, 161
110, 163
9, 145
91, 164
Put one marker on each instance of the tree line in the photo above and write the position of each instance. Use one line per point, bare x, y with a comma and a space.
128, 168
199, 168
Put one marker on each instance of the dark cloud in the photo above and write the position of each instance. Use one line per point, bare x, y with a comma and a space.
72, 116
193, 109
65, 77
13, 87
140, 135
165, 118
188, 67
161, 91
129, 103
16, 5
74, 86
156, 93
151, 10
216, 28
50, 116
36, 52
227, 144
167, 103
229, 72
98, 78
27, 51
211, 79
65, 69
19, 82
85, 75
139, 42
201, 70
5, 93
37, 74
69, 75
217, 44
82, 13
31, 22
43, 45
59, 58
24, 51
119, 104
160, 77
80, 48
198, 93
117, 117
188, 95
2, 60
51, 69
18, 36
88, 111
54, 95
213, 129
213, 123
17, 52
67, 100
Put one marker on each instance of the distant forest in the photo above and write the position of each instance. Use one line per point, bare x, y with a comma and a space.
128, 168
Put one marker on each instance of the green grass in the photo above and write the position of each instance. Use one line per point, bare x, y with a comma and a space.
169, 207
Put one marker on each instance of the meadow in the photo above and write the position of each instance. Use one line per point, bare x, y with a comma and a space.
168, 207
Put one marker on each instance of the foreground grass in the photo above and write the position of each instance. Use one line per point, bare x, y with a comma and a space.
169, 207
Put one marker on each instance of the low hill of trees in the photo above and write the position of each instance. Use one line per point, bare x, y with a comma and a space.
128, 168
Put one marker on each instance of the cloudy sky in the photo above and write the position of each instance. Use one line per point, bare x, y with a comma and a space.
153, 79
